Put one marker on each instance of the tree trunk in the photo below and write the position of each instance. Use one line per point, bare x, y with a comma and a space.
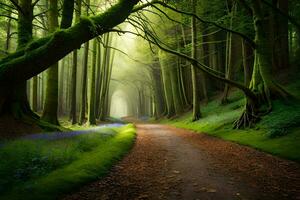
167, 84
17, 99
84, 83
92, 84
98, 78
247, 62
51, 100
158, 91
234, 56
73, 112
280, 35
177, 92
61, 87
84, 75
196, 101
8, 34
105, 77
262, 82
35, 93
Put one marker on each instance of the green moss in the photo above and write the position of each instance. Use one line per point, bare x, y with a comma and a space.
36, 43
59, 166
277, 133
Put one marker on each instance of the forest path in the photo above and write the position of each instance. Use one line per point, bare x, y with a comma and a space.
172, 163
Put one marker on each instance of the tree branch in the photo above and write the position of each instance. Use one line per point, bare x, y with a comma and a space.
34, 3
246, 38
199, 65
17, 6
10, 17
42, 53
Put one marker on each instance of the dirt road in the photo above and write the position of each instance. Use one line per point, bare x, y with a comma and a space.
171, 163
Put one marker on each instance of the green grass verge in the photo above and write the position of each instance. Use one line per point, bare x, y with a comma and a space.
277, 133
49, 169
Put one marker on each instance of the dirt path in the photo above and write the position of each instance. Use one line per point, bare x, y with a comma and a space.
171, 163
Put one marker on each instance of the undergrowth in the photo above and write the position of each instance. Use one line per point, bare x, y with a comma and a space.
276, 133
46, 169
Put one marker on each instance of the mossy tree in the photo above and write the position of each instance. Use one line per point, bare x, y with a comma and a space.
51, 99
39, 54
17, 101
85, 65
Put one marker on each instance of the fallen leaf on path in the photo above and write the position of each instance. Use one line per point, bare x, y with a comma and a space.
211, 190
143, 196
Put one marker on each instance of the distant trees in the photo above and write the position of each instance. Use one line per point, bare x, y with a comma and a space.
250, 46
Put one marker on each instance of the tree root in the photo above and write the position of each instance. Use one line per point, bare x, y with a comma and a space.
251, 115
246, 120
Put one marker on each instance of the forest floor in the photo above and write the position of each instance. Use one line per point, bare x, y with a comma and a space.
173, 163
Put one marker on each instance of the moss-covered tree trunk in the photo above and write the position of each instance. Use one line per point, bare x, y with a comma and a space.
51, 99
8, 33
262, 82
17, 102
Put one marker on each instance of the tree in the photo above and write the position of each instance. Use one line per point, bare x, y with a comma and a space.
92, 87
18, 100
73, 113
84, 75
51, 99
196, 101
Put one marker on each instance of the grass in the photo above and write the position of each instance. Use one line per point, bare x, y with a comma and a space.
277, 133
41, 169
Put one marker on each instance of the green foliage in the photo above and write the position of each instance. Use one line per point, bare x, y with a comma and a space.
43, 169
277, 133
281, 120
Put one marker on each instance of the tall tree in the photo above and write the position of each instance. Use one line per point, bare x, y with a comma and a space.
18, 100
84, 75
51, 99
73, 113
233, 51
92, 87
196, 101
